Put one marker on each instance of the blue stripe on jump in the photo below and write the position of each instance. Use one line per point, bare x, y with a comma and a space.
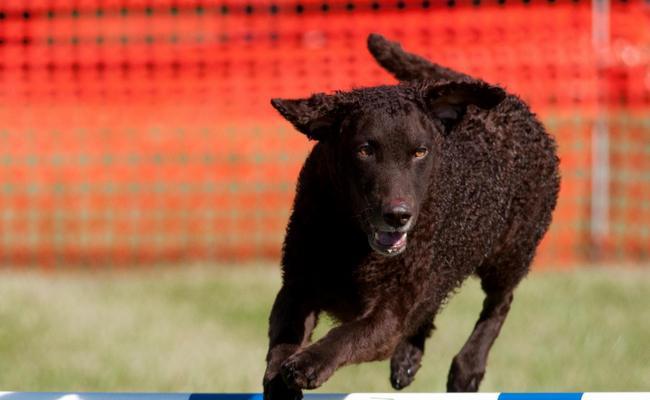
259, 396
540, 396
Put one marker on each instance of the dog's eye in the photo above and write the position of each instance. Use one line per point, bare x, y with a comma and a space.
364, 151
420, 152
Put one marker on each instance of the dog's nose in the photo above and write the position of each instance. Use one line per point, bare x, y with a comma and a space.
397, 216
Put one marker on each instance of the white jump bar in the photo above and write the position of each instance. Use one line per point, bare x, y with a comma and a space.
323, 396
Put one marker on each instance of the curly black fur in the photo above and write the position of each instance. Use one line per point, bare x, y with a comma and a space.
478, 202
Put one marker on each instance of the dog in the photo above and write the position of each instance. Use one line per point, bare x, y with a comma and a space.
409, 189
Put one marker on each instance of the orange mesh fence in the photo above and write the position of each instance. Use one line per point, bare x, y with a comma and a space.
138, 131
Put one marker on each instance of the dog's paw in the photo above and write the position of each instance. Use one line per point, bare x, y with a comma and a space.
464, 376
305, 370
404, 363
277, 389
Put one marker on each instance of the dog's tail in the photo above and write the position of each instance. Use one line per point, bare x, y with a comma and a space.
407, 66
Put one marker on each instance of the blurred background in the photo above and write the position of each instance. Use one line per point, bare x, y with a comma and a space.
145, 183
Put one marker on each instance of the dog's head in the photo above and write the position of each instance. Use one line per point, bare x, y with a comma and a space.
384, 143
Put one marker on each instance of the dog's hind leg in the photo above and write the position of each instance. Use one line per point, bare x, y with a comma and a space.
407, 66
407, 357
468, 366
498, 282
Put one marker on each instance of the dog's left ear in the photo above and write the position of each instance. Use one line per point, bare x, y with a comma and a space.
448, 101
315, 116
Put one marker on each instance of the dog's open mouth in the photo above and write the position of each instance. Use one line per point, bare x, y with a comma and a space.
388, 243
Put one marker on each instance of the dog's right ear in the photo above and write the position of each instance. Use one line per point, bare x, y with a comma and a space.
315, 116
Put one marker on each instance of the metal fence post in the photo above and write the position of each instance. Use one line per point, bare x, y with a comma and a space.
600, 165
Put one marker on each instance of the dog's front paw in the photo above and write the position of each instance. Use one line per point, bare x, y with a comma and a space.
464, 376
404, 363
277, 389
305, 370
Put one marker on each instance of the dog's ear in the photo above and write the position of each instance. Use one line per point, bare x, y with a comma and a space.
315, 116
448, 101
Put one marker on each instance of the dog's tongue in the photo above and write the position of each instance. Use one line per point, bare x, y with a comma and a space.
389, 238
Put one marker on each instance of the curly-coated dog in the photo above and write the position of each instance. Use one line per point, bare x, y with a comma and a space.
409, 190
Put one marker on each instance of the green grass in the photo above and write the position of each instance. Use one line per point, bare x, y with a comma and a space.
203, 329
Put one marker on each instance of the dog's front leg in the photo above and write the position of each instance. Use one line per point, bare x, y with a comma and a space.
291, 324
367, 339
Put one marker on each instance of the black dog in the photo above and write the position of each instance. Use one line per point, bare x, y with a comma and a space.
410, 189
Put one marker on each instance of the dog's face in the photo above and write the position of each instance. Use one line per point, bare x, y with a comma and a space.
385, 143
386, 160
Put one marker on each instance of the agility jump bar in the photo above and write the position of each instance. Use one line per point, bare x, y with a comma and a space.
324, 396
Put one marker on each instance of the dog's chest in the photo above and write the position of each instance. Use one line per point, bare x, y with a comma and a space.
376, 282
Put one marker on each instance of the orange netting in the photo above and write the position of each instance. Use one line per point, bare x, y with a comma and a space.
139, 131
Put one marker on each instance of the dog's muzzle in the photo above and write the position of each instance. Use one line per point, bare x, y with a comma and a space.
388, 243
